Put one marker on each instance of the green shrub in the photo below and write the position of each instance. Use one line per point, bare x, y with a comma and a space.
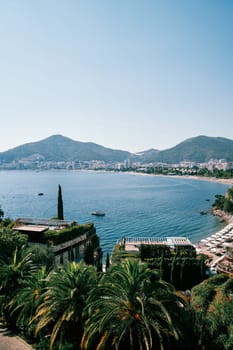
67, 234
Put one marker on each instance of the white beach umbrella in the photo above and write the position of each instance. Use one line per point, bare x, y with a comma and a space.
214, 242
213, 250
214, 236
220, 233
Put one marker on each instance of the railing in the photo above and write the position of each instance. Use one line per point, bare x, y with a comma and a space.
154, 240
70, 243
140, 239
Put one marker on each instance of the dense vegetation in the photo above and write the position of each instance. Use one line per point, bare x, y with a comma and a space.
129, 306
212, 302
180, 267
74, 307
224, 203
195, 171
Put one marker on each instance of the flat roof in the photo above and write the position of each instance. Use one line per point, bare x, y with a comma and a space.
133, 244
31, 228
42, 222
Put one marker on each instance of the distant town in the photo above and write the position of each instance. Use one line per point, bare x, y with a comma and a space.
34, 162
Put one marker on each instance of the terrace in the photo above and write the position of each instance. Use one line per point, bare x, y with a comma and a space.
68, 241
132, 244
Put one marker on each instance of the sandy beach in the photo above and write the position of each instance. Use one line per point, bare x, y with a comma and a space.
203, 178
214, 246
189, 177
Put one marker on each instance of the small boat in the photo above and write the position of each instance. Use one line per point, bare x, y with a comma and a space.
40, 194
203, 212
98, 213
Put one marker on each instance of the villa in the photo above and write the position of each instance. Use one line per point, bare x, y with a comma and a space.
67, 240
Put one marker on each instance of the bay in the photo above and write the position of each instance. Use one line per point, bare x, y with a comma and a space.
135, 205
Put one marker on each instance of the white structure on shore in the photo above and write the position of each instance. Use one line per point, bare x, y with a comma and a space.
216, 244
173, 243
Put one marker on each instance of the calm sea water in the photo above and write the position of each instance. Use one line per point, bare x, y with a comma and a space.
135, 206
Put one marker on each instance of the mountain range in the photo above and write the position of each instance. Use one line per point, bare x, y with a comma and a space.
60, 148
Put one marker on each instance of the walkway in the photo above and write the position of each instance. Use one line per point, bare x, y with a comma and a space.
8, 342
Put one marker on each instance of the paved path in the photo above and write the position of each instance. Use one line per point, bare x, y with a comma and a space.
8, 342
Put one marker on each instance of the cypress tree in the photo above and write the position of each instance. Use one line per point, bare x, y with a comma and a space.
202, 267
173, 268
60, 214
107, 261
161, 266
89, 254
1, 213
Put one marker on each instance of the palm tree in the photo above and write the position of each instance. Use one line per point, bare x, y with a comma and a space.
10, 241
27, 300
13, 274
129, 310
63, 302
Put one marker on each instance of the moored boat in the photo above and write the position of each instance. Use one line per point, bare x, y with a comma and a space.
98, 213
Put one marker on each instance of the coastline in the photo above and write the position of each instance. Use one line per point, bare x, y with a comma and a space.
215, 248
224, 216
188, 177
216, 252
228, 218
205, 178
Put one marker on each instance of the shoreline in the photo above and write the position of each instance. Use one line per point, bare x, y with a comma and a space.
201, 247
228, 218
215, 249
213, 246
205, 178
187, 177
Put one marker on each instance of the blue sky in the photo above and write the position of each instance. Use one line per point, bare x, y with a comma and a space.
126, 74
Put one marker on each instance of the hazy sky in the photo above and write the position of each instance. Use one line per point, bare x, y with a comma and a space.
126, 74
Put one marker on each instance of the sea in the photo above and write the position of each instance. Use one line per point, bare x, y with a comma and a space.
135, 205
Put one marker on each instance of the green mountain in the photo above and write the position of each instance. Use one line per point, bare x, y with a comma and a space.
200, 149
60, 148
